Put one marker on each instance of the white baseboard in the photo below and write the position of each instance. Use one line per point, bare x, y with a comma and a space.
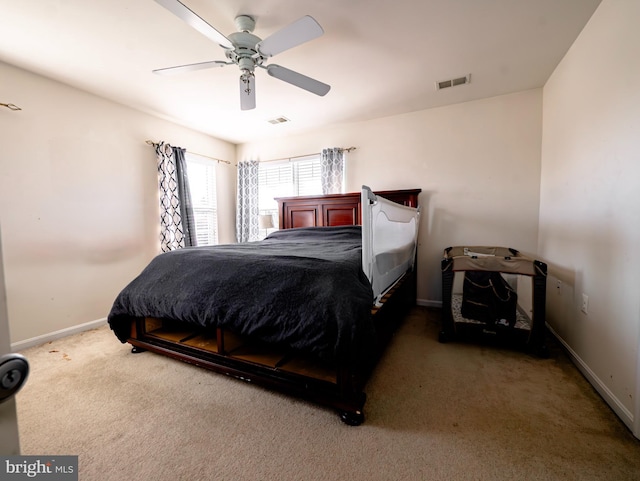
614, 403
426, 303
52, 336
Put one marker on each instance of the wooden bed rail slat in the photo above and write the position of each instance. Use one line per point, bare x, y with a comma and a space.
220, 339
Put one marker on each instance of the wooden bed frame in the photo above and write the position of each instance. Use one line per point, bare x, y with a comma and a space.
340, 387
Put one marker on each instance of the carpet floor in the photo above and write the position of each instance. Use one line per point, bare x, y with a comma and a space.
456, 411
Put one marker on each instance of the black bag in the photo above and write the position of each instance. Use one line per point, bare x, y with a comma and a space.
488, 297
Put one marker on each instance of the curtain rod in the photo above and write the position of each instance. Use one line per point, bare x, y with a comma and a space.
347, 149
152, 143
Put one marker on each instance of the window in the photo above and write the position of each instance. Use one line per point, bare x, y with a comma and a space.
285, 179
202, 183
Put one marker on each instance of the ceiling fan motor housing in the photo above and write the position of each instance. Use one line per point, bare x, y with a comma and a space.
244, 54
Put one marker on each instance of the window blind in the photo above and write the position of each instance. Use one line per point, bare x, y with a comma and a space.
202, 182
286, 179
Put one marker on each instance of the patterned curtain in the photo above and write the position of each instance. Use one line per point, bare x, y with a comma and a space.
247, 228
332, 170
173, 233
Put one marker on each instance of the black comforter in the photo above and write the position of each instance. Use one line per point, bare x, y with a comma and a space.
301, 288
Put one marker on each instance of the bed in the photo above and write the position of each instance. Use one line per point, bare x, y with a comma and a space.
308, 310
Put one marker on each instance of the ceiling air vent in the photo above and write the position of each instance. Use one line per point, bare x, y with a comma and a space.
445, 84
279, 120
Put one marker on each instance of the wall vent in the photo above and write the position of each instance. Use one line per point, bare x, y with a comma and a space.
279, 120
445, 84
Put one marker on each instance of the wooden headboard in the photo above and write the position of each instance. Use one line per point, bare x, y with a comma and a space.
333, 209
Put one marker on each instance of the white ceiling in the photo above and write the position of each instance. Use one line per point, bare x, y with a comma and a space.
380, 57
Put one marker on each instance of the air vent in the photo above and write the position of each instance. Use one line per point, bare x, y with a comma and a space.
445, 84
279, 120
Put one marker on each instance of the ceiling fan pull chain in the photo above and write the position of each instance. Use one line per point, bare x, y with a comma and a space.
246, 79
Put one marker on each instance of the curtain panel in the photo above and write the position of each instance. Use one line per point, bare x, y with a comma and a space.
332, 170
177, 227
184, 194
247, 228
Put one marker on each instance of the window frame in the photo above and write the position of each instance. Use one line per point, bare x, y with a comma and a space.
296, 166
200, 210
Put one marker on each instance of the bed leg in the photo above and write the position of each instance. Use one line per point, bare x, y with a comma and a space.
354, 416
137, 350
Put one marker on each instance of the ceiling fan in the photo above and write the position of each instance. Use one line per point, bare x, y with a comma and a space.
248, 51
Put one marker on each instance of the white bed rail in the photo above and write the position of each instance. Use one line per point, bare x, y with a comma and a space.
389, 240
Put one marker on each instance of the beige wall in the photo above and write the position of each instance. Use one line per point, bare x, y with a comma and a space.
477, 163
590, 201
78, 200
9, 436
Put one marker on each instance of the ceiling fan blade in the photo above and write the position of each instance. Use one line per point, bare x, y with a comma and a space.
292, 35
185, 13
247, 92
190, 67
299, 80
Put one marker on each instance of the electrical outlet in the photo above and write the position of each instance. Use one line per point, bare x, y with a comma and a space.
559, 286
585, 303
